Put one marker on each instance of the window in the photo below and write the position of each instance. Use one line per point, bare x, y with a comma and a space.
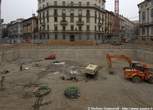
72, 11
87, 36
63, 3
64, 36
151, 2
48, 27
151, 30
80, 28
55, 12
80, 3
88, 3
72, 28
55, 19
40, 21
88, 19
55, 28
147, 31
95, 37
79, 36
88, 12
95, 28
98, 36
47, 3
39, 1
47, 15
88, 16
71, 3
99, 17
80, 19
80, 12
88, 28
47, 36
143, 16
64, 28
55, 3
95, 17
152, 12
63, 12
40, 15
56, 37
72, 17
143, 31
43, 15
63, 18
98, 28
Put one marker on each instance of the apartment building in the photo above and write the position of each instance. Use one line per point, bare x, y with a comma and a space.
30, 29
146, 20
127, 29
74, 20
15, 29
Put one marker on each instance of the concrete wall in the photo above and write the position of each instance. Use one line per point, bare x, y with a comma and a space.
84, 55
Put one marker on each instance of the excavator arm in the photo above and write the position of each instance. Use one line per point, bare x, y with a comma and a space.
132, 64
117, 57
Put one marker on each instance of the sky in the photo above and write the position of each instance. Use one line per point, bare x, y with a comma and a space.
13, 9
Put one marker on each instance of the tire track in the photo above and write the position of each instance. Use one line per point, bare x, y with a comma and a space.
134, 97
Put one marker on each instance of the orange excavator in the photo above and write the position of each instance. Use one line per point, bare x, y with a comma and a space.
137, 71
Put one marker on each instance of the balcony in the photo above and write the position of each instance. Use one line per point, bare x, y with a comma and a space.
80, 23
146, 24
64, 22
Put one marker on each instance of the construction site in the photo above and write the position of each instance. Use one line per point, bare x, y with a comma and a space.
37, 77
89, 59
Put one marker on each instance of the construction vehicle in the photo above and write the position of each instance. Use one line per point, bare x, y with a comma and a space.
137, 71
91, 70
51, 57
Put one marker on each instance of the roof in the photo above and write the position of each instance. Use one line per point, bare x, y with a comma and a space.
33, 17
143, 2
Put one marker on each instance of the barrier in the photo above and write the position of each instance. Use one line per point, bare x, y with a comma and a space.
66, 42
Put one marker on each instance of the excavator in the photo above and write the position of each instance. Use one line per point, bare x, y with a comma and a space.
137, 71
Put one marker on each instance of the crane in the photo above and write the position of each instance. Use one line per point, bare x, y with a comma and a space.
116, 7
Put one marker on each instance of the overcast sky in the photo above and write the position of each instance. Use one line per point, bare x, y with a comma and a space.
12, 9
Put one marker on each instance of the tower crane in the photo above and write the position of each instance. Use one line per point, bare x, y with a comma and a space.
116, 7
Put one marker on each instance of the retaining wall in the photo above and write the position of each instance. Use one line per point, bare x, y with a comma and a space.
85, 55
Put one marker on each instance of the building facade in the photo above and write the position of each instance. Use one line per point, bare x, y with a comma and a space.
4, 30
30, 29
146, 20
15, 29
127, 29
74, 20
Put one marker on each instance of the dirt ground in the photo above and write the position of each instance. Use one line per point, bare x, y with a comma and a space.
104, 91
